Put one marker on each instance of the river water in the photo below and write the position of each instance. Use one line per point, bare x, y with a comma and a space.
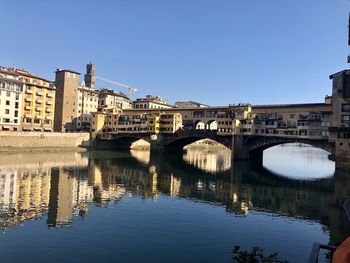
132, 207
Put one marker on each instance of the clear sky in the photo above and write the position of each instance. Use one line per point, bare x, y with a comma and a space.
212, 51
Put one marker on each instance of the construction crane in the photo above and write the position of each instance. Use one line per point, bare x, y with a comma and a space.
130, 89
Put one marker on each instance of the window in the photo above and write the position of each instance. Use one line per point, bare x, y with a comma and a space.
345, 107
7, 111
7, 102
16, 113
16, 105
345, 118
8, 94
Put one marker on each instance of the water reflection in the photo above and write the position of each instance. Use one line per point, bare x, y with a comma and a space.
206, 160
62, 185
298, 161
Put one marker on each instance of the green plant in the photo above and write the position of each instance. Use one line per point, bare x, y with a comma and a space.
254, 256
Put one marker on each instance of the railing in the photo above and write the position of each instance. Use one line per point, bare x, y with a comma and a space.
316, 250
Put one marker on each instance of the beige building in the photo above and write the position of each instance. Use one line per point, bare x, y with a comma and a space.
151, 102
189, 104
113, 99
116, 121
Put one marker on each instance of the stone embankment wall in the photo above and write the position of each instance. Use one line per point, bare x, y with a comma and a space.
43, 140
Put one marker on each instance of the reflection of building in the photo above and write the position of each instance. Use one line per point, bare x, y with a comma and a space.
142, 156
24, 194
61, 198
218, 161
175, 184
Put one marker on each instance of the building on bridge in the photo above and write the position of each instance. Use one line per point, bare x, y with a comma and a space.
151, 102
189, 104
110, 122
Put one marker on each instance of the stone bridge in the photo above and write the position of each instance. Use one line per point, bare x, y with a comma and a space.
247, 147
244, 147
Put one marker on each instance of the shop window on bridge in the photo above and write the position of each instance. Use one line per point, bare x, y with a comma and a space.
198, 114
345, 118
343, 135
345, 107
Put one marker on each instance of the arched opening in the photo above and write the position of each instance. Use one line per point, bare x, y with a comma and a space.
212, 125
298, 161
199, 125
123, 143
194, 142
140, 145
208, 155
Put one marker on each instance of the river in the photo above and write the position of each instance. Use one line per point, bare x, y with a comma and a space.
98, 206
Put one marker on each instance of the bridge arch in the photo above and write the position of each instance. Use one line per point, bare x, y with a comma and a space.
179, 142
199, 125
255, 145
121, 141
211, 125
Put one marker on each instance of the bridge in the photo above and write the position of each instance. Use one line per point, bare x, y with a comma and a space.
244, 147
245, 129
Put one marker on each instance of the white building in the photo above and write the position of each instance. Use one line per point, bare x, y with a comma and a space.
11, 90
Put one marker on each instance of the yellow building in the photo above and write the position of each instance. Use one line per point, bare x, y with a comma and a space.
114, 121
38, 103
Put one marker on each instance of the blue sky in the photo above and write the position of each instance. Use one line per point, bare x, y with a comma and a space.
212, 51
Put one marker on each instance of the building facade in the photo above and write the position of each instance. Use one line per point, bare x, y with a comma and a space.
116, 121
339, 131
28, 101
113, 99
75, 100
151, 102
39, 103
11, 96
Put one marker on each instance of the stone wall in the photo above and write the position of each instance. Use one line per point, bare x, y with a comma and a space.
43, 140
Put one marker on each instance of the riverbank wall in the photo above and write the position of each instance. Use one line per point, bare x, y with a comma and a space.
14, 140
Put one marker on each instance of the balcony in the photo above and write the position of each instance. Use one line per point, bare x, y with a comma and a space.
49, 95
27, 107
28, 98
39, 93
49, 102
39, 100
29, 91
48, 110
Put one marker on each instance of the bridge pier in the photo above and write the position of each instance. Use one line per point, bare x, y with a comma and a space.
157, 144
239, 151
